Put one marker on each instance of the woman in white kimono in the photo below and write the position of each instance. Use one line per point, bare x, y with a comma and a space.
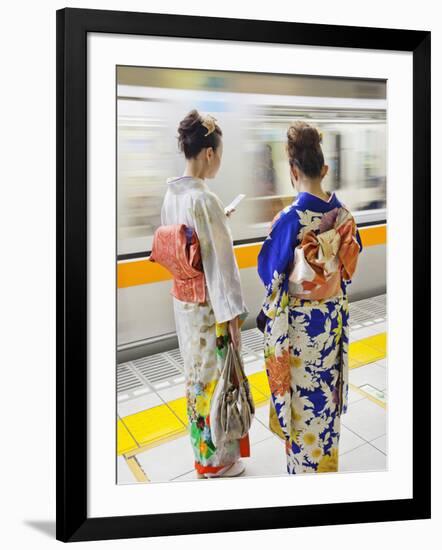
204, 329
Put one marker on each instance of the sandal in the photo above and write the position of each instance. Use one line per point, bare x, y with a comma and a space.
232, 470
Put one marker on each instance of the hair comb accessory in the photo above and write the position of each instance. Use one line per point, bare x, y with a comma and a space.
208, 121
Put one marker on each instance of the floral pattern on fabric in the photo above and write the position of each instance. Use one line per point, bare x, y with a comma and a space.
203, 344
202, 327
305, 347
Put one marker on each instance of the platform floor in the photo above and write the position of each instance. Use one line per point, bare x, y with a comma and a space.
153, 445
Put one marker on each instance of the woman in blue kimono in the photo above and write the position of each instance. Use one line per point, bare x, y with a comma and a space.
306, 263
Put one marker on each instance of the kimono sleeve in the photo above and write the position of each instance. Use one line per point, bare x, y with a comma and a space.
218, 257
346, 283
277, 252
274, 262
358, 238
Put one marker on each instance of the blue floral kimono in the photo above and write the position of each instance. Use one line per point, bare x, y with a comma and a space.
305, 344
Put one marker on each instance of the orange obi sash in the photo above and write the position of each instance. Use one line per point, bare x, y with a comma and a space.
177, 248
322, 259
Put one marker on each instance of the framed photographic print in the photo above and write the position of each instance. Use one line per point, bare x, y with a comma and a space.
243, 274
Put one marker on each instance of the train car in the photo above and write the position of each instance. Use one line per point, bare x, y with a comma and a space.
350, 113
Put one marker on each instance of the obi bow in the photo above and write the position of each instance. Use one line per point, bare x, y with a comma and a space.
322, 259
177, 248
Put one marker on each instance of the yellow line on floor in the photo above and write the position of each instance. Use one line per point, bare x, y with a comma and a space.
368, 396
162, 423
136, 469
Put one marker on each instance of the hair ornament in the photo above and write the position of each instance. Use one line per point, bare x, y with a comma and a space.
208, 121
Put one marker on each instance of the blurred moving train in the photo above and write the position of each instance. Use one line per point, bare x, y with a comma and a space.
351, 114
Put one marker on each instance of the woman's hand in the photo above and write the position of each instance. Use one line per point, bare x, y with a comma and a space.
235, 332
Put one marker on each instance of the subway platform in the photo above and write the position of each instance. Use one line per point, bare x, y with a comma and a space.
152, 440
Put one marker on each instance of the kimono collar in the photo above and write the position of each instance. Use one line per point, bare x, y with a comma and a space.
307, 201
181, 184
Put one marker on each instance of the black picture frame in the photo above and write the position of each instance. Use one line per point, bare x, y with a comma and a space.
73, 25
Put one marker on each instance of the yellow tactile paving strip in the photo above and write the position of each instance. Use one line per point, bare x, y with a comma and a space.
156, 425
368, 350
126, 442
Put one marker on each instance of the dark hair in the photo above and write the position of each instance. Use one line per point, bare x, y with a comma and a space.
191, 138
304, 148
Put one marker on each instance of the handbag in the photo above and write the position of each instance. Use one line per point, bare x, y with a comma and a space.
232, 408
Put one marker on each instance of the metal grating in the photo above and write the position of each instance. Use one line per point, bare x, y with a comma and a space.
175, 356
369, 311
127, 380
381, 298
166, 369
157, 368
252, 341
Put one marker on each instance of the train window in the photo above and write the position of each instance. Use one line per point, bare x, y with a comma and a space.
254, 127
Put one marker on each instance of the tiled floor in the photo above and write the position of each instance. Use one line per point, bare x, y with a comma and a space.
363, 433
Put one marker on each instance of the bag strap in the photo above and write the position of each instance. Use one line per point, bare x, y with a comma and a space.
237, 363
227, 371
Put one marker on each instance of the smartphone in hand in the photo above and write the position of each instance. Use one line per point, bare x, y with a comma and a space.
232, 206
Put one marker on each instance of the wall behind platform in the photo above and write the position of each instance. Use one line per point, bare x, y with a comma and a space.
27, 221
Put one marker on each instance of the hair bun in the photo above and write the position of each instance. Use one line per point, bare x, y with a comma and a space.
193, 136
304, 147
303, 136
189, 124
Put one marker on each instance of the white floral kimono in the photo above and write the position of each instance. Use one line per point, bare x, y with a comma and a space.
202, 328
